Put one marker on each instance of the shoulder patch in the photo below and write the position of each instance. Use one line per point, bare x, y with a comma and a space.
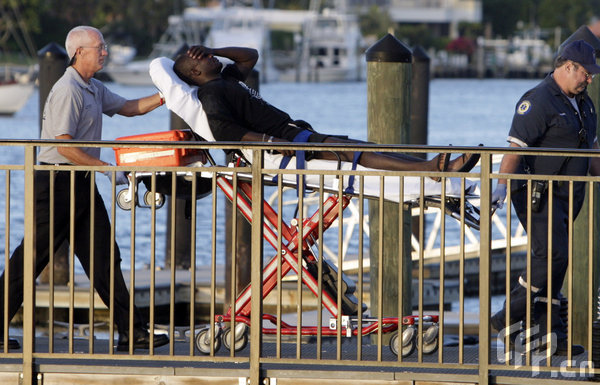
524, 107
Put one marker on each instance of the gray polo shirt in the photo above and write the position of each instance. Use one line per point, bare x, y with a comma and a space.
75, 108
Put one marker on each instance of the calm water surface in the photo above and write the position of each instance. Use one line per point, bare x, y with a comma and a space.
462, 112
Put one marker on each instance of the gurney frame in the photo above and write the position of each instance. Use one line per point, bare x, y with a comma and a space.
295, 255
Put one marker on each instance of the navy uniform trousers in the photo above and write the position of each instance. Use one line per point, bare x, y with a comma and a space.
538, 234
62, 215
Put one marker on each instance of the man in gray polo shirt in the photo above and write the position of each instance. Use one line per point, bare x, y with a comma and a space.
73, 111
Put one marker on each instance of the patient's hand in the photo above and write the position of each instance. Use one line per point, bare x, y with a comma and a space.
197, 51
287, 152
283, 152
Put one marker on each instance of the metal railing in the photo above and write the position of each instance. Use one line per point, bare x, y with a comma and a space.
279, 330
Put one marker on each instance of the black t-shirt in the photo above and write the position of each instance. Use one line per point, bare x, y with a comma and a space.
233, 109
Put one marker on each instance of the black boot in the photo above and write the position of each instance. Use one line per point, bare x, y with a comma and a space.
518, 304
557, 340
498, 322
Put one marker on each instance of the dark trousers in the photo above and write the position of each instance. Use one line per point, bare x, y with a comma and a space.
81, 246
539, 259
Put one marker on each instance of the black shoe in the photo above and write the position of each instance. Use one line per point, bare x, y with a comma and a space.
141, 340
12, 344
561, 349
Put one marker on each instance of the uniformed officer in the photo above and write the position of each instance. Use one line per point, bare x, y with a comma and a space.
557, 113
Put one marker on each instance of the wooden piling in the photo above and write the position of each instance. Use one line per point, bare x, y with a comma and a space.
388, 103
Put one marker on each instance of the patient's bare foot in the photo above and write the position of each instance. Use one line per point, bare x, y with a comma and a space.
440, 163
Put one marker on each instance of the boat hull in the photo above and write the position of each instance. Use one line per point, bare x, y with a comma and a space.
134, 73
13, 97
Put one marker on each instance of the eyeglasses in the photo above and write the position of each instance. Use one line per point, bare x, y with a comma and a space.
100, 48
588, 76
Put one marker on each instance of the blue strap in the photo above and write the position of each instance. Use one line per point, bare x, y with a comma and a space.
350, 188
301, 162
300, 156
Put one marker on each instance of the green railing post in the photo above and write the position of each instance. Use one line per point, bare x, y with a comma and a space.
29, 267
256, 268
485, 242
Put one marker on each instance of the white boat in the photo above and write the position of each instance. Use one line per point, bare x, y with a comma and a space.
121, 54
125, 71
17, 81
13, 96
134, 73
15, 89
214, 27
330, 49
243, 27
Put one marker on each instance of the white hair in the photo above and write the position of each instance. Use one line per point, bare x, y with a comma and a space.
79, 37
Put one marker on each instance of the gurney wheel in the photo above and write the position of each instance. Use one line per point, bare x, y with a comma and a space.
241, 337
204, 339
123, 201
409, 342
159, 199
430, 339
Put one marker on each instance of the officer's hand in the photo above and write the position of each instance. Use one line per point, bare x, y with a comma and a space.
499, 196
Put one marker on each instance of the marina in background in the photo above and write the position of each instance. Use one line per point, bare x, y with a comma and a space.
328, 45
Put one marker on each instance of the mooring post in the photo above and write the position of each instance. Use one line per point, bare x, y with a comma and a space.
581, 231
53, 61
389, 64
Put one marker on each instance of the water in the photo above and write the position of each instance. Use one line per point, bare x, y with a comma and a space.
462, 112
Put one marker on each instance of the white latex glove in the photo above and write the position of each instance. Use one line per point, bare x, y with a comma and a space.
120, 177
499, 196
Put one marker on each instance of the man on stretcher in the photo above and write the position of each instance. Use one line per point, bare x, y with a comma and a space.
236, 112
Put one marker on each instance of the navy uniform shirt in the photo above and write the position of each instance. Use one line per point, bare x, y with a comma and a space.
545, 117
233, 109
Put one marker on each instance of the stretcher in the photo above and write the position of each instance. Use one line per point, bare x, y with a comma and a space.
292, 246
297, 252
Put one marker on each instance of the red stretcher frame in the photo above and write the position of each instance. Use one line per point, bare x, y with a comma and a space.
289, 262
